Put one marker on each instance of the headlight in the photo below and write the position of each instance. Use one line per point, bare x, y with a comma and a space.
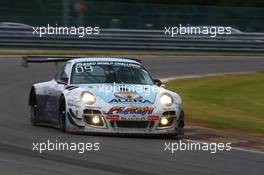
96, 120
166, 100
88, 98
164, 121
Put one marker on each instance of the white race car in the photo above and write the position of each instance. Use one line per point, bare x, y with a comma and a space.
105, 95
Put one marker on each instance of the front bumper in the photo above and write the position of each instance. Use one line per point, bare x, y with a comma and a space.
127, 125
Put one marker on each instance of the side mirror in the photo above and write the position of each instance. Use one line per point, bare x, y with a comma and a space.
63, 81
157, 82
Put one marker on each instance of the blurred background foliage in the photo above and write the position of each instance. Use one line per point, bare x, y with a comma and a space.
246, 15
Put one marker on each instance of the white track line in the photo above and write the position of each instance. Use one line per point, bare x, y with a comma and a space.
165, 79
233, 148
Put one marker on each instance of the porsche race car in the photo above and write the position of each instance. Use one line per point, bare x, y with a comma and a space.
105, 95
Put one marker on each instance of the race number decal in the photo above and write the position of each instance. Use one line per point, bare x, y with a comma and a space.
83, 67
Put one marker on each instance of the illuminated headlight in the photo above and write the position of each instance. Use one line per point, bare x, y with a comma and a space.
88, 98
96, 120
164, 121
166, 100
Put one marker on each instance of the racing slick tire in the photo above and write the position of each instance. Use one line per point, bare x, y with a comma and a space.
181, 123
33, 109
62, 115
33, 115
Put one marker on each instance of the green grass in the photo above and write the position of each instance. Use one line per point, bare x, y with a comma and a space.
234, 101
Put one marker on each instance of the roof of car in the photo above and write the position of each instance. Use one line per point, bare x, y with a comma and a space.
128, 60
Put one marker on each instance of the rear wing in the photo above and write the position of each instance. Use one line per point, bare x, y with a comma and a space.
44, 59
55, 59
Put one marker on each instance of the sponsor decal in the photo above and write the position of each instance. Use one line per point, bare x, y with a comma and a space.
168, 109
112, 117
133, 118
131, 110
153, 118
129, 101
72, 103
88, 66
114, 63
93, 107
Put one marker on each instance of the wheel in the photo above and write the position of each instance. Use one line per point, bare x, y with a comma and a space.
33, 108
181, 120
181, 124
33, 115
62, 115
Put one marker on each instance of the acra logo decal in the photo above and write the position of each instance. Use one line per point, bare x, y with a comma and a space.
129, 101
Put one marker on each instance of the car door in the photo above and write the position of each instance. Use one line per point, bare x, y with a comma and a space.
57, 86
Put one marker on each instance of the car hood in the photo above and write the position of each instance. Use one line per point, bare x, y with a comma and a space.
123, 93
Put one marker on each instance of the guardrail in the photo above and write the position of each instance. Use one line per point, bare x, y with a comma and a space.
115, 39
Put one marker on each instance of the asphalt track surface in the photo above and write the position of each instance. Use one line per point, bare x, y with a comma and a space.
117, 155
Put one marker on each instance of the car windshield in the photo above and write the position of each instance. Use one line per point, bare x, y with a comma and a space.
109, 72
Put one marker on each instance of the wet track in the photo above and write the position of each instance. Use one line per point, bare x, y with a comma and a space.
117, 155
